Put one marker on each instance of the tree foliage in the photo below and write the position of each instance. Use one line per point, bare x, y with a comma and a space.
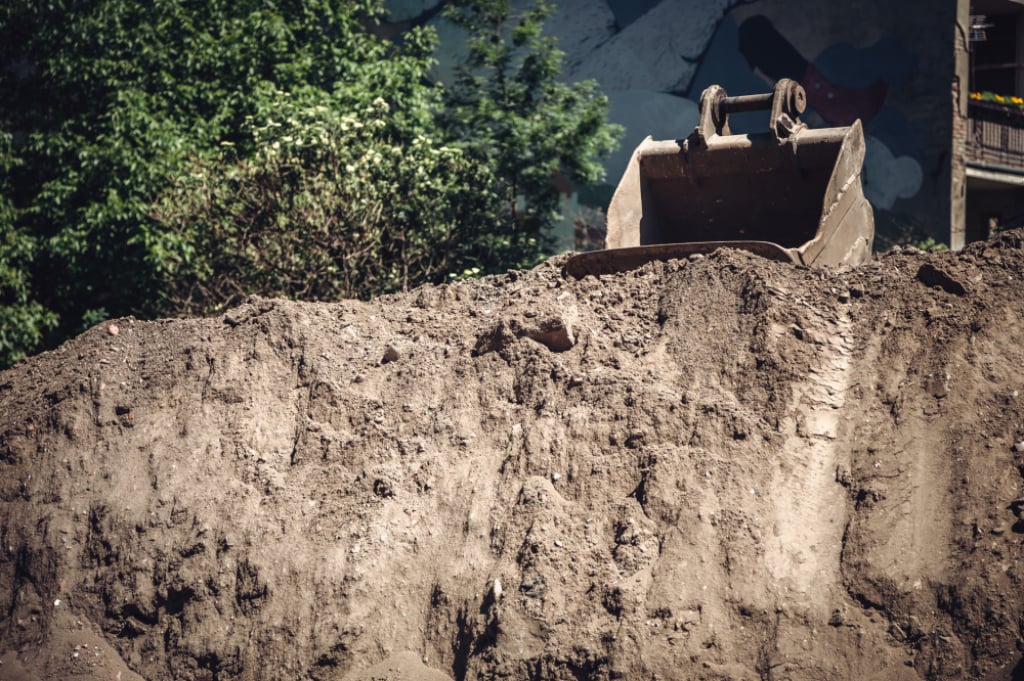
518, 118
174, 155
329, 205
112, 98
23, 320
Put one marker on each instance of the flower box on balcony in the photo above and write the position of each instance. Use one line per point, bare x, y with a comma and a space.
1008, 101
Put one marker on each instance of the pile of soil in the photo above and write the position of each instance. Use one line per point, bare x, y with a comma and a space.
718, 468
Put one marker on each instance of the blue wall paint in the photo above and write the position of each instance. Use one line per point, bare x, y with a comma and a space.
628, 11
724, 65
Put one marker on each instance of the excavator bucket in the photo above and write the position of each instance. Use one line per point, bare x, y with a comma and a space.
791, 194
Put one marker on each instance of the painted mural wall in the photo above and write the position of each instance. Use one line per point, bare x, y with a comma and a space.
888, 63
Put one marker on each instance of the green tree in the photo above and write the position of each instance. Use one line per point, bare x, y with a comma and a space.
510, 112
110, 99
174, 155
23, 320
335, 202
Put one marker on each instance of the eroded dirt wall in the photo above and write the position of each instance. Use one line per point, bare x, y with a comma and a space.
722, 468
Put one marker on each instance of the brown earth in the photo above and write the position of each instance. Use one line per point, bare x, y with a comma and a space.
722, 468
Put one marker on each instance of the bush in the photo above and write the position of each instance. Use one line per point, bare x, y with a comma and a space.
330, 205
175, 156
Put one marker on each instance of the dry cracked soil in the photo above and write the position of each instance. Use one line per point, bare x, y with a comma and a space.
722, 468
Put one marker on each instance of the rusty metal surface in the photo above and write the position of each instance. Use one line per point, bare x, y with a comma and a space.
792, 187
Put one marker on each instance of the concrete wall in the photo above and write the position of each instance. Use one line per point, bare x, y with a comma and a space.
891, 64
960, 93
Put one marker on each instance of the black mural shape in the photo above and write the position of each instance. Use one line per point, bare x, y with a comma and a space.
768, 51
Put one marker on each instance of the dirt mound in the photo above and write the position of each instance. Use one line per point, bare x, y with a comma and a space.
722, 468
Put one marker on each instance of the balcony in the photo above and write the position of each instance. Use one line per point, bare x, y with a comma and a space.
995, 137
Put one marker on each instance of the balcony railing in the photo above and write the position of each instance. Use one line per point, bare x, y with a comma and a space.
996, 135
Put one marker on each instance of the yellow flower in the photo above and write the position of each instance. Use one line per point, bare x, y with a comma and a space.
975, 95
1001, 99
1017, 100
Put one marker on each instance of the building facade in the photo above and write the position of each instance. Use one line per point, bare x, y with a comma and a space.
943, 160
989, 137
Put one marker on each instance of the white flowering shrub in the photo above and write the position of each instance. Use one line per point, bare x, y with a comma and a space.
330, 205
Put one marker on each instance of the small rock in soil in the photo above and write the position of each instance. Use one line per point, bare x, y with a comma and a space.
930, 275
